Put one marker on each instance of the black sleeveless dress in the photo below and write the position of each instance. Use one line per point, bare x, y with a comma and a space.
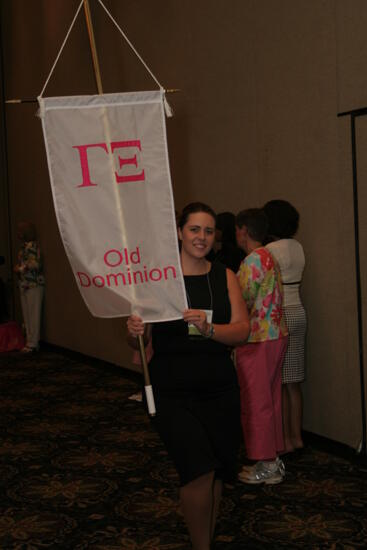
195, 387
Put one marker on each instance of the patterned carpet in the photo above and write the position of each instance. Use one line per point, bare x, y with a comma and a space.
82, 468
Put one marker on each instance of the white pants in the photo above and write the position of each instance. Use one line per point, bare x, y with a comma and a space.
31, 301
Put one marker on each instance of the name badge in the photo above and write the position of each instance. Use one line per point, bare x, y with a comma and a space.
193, 330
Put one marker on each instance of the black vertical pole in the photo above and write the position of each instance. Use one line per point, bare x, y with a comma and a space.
358, 281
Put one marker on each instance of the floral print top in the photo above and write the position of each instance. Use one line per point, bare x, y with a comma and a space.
29, 266
260, 282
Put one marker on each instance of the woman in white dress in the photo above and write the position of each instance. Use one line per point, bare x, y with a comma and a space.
283, 225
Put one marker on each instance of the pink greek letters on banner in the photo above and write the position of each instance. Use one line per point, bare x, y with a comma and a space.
83, 153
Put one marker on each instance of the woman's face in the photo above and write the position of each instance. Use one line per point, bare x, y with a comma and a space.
197, 235
241, 238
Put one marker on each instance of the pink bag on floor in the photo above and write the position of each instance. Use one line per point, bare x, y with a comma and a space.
11, 337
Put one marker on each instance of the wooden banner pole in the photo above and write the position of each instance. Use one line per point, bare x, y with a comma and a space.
97, 74
93, 48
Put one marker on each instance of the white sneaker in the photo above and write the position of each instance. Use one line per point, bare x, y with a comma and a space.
269, 473
281, 466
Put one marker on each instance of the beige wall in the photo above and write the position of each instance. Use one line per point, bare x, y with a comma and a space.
261, 85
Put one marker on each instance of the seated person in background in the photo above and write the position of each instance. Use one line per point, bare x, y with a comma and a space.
31, 283
259, 361
283, 224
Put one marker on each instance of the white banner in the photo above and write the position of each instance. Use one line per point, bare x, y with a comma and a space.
108, 163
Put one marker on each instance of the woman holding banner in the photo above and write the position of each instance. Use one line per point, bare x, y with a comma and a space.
193, 377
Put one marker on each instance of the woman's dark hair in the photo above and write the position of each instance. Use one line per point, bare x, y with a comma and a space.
256, 223
283, 219
229, 254
193, 208
226, 223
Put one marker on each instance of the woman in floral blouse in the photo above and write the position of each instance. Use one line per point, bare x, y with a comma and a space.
259, 361
31, 283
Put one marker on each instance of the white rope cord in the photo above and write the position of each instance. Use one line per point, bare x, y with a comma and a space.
167, 107
130, 44
62, 47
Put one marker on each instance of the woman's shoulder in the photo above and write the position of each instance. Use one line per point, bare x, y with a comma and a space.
217, 269
259, 259
289, 255
285, 245
261, 254
218, 272
31, 245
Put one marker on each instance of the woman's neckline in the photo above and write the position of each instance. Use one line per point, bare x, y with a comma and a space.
201, 274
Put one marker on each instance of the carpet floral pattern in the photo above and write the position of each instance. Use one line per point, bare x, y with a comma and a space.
81, 467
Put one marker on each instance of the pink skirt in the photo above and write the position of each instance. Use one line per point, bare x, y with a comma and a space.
259, 369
